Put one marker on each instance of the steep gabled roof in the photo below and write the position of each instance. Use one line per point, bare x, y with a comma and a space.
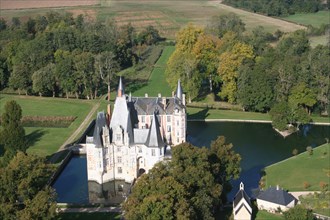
179, 90
99, 124
154, 138
276, 195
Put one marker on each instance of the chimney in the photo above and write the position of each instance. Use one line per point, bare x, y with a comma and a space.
277, 187
146, 95
164, 102
184, 99
159, 95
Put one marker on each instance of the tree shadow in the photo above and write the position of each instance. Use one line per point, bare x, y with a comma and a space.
200, 115
35, 136
135, 85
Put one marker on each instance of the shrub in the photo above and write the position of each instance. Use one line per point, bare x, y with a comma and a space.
295, 152
48, 121
306, 185
323, 186
310, 150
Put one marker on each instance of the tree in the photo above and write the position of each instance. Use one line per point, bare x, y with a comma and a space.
149, 36
279, 115
44, 80
190, 186
302, 96
298, 212
12, 134
107, 66
206, 51
23, 194
3, 24
220, 25
64, 70
230, 62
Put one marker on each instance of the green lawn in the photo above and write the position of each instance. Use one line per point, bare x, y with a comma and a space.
263, 215
89, 216
46, 141
292, 173
157, 82
314, 19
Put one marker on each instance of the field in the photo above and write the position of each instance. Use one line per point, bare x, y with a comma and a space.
24, 4
263, 215
46, 141
164, 15
314, 19
294, 173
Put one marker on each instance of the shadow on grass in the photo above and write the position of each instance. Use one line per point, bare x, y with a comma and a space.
35, 136
135, 85
202, 114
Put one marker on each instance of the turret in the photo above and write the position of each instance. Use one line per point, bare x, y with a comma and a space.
121, 90
179, 91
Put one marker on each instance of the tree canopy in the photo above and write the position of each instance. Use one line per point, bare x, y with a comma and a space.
193, 185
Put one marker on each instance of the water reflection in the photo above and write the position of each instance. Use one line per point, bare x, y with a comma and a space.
110, 193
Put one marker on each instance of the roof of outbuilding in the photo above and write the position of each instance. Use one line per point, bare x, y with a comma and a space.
276, 195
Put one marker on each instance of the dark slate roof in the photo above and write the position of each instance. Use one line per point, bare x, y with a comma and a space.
99, 124
276, 195
154, 138
239, 196
149, 105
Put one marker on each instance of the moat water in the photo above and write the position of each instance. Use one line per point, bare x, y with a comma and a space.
257, 143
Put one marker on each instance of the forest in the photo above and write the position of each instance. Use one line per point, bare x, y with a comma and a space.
279, 7
259, 71
66, 56
61, 55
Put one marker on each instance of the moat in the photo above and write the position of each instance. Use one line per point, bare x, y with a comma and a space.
257, 143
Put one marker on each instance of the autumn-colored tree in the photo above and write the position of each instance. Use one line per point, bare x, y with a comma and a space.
230, 61
187, 38
206, 51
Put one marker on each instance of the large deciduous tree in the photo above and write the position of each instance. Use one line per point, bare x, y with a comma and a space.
44, 80
23, 194
230, 62
191, 186
220, 25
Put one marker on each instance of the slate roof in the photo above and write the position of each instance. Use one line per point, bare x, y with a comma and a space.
179, 90
239, 196
99, 124
149, 105
154, 137
276, 195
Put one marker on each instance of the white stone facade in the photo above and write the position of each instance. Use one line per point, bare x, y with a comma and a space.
139, 134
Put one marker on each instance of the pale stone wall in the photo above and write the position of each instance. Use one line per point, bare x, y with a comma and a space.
243, 214
269, 206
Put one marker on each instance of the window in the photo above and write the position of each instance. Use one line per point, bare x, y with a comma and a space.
153, 152
118, 137
118, 159
107, 162
106, 151
120, 188
168, 128
118, 149
168, 118
143, 119
161, 151
177, 122
140, 149
120, 170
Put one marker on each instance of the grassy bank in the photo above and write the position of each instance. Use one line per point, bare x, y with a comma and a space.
263, 215
42, 140
300, 171
157, 81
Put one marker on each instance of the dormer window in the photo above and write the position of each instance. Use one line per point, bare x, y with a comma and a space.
118, 137
143, 119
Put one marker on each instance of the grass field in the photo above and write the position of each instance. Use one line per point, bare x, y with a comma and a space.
263, 215
46, 141
314, 19
157, 82
292, 173
88, 216
164, 15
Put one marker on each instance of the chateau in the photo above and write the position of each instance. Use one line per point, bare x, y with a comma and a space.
136, 135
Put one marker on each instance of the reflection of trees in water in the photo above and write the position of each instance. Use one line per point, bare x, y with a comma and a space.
113, 192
